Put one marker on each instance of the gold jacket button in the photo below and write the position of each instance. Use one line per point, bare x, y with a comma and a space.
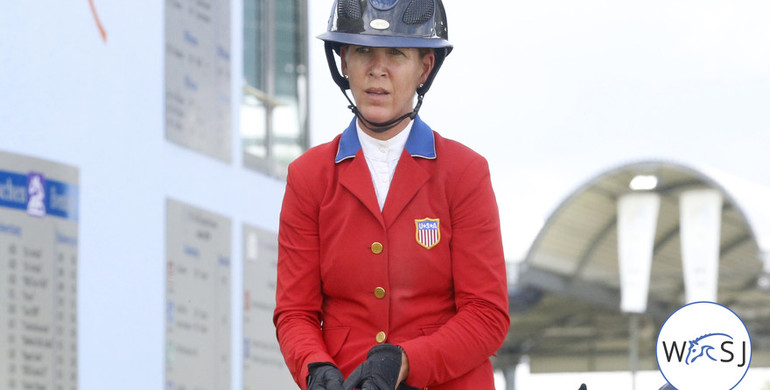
376, 248
380, 337
379, 292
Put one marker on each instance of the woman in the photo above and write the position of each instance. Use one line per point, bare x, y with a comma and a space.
391, 271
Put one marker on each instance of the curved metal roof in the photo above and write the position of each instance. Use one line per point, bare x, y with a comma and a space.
565, 301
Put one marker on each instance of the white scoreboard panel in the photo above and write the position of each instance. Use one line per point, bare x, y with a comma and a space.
38, 274
263, 366
198, 324
197, 69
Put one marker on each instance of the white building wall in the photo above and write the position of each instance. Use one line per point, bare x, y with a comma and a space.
69, 96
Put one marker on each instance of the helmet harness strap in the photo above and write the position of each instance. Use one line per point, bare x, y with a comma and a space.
344, 84
381, 127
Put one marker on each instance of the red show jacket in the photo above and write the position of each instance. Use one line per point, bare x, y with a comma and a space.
426, 273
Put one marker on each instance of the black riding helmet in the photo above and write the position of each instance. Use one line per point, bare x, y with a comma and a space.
387, 23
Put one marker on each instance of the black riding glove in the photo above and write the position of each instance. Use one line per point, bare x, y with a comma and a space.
324, 376
379, 371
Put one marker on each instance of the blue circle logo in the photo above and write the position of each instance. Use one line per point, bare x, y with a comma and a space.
703, 345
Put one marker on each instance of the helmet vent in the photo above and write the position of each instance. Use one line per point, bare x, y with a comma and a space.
419, 11
349, 9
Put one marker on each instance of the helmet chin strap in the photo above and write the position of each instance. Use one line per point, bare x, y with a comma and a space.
344, 84
381, 127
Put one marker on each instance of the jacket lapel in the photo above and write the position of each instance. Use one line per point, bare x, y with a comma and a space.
356, 178
407, 181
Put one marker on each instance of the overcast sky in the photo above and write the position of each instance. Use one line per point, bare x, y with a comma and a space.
555, 92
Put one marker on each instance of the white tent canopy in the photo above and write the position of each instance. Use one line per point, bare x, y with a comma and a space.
565, 300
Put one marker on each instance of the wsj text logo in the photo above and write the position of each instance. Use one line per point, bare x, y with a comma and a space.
709, 345
703, 345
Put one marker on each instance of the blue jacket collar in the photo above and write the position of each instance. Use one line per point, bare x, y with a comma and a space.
419, 144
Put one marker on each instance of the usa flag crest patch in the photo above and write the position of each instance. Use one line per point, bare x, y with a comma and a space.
427, 232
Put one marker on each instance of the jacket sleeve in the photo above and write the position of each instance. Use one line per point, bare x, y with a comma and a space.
480, 288
297, 315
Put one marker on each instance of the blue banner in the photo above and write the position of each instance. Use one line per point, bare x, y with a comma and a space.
38, 196
13, 190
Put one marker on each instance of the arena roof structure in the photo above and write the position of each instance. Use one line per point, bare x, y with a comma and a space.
565, 295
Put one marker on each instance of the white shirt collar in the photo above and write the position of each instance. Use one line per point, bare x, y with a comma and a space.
382, 158
383, 150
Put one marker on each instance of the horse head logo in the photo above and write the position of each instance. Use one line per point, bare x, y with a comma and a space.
700, 346
36, 195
